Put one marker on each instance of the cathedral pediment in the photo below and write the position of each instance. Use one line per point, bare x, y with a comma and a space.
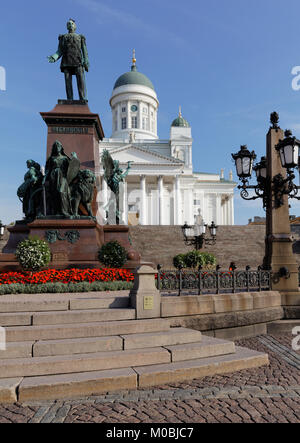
142, 156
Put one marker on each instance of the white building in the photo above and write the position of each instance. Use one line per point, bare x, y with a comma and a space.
161, 188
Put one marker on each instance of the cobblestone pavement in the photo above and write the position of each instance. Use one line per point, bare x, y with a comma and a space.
269, 394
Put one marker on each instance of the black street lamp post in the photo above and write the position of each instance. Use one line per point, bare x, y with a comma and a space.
275, 184
196, 235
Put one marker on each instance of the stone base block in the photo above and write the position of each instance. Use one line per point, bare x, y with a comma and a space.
8, 390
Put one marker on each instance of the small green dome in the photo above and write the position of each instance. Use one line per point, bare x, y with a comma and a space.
133, 78
180, 122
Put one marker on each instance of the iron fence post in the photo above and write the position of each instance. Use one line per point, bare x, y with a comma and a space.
158, 277
259, 278
233, 279
247, 270
218, 278
200, 280
180, 281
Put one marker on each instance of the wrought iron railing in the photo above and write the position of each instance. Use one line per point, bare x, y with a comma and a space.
213, 282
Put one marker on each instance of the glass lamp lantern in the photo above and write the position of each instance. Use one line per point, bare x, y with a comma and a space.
1, 229
244, 162
289, 151
261, 169
213, 229
188, 231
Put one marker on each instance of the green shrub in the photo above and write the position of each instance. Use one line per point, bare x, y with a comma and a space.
194, 259
209, 259
47, 288
179, 261
113, 255
33, 254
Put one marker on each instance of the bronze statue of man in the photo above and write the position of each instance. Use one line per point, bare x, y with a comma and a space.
73, 51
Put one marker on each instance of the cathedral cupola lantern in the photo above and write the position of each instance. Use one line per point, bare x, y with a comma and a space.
134, 106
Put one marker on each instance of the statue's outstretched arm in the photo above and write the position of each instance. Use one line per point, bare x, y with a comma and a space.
53, 58
125, 173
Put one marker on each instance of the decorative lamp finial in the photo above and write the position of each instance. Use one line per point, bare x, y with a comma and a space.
274, 119
180, 114
288, 133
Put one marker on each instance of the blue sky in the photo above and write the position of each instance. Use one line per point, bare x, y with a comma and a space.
227, 63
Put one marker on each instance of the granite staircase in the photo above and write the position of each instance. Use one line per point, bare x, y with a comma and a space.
70, 345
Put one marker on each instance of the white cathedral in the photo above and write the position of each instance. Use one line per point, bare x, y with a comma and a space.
161, 187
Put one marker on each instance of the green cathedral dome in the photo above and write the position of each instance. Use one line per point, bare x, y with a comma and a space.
180, 122
133, 78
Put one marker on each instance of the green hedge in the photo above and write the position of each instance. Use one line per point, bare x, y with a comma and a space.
194, 259
47, 288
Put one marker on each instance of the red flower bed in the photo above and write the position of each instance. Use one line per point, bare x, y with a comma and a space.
66, 276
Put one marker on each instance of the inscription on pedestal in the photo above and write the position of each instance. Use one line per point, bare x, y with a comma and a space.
59, 256
69, 130
148, 303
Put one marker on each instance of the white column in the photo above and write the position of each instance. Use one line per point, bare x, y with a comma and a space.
125, 203
175, 203
178, 203
128, 115
191, 207
226, 218
140, 115
104, 197
143, 204
160, 199
119, 117
231, 209
218, 209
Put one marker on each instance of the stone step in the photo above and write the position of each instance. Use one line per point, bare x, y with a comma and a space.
82, 330
77, 346
99, 302
193, 369
15, 319
208, 347
82, 316
67, 364
17, 350
281, 326
74, 385
63, 302
174, 336
92, 383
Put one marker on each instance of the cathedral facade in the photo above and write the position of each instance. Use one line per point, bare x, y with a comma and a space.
161, 187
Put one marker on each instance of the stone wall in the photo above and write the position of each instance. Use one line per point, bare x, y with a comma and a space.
242, 244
